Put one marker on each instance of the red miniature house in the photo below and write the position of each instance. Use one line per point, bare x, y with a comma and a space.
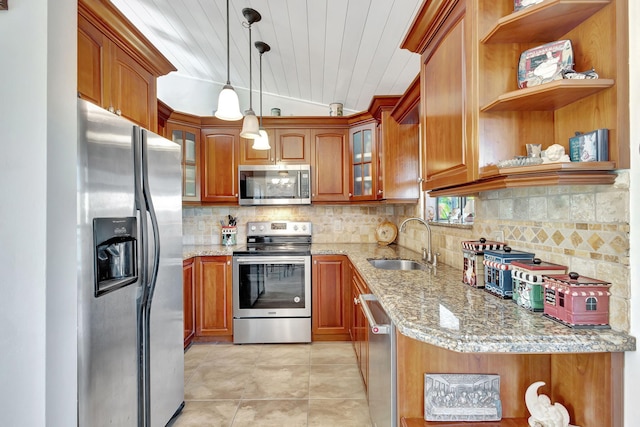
577, 301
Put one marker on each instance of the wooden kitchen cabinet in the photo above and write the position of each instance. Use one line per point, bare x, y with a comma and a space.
219, 164
189, 139
329, 165
398, 153
213, 309
364, 162
360, 326
446, 72
249, 156
117, 65
293, 146
472, 113
288, 146
330, 298
188, 301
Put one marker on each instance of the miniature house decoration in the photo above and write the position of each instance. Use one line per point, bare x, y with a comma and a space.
497, 270
528, 291
577, 301
473, 255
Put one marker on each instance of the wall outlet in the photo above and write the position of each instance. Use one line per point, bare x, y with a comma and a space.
498, 236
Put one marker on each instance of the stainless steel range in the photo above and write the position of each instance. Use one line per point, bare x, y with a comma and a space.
272, 284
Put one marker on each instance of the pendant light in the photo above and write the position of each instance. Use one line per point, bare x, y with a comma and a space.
228, 104
261, 143
250, 126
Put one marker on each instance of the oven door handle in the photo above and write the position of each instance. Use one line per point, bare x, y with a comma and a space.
269, 260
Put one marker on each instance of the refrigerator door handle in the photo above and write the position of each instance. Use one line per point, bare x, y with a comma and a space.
142, 320
154, 220
149, 286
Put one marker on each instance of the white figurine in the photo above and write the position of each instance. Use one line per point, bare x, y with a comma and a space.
543, 413
555, 154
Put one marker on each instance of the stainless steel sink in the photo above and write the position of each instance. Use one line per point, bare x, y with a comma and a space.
397, 264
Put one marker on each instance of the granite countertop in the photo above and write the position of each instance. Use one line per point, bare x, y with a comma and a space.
437, 308
189, 251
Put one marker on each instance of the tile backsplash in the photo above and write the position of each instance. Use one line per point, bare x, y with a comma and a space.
583, 227
340, 224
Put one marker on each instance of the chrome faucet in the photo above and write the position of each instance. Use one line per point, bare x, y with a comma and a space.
426, 256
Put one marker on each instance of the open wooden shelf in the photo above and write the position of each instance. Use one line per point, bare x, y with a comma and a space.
507, 422
570, 173
547, 97
555, 167
544, 22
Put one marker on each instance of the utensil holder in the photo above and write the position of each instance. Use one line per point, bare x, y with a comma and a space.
229, 235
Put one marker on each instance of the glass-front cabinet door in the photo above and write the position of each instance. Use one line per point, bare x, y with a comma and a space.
363, 162
189, 140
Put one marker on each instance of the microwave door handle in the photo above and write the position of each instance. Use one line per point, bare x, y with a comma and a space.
300, 184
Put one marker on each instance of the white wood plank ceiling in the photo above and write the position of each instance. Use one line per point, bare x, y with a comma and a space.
322, 51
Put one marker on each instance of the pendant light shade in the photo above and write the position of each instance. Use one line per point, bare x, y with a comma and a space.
250, 126
261, 143
228, 104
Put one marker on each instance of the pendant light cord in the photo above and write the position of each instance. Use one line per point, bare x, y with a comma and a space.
261, 89
228, 57
250, 71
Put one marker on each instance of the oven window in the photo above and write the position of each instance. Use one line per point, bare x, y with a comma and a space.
271, 286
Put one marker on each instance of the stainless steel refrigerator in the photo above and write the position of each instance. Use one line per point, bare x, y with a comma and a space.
130, 319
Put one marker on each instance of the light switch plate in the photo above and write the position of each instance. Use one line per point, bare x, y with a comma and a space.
498, 236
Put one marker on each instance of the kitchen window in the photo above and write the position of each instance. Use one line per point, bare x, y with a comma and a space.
452, 210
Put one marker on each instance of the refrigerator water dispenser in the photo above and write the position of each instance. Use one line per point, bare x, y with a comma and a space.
115, 257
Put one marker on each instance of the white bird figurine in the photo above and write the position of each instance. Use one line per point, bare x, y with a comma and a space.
543, 413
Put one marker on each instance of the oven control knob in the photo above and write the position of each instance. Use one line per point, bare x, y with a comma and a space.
296, 299
304, 228
253, 228
295, 227
262, 228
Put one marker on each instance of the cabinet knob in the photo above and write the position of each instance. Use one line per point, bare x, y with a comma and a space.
118, 112
355, 301
350, 195
111, 109
236, 195
315, 262
420, 180
379, 191
228, 262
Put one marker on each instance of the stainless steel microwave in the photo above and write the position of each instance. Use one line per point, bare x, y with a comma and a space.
274, 184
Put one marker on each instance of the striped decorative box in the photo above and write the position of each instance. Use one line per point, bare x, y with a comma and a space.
528, 291
577, 301
497, 269
473, 255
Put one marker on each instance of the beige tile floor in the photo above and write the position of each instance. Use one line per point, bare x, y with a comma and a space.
273, 385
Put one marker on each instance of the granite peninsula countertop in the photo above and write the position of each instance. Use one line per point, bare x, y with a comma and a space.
437, 308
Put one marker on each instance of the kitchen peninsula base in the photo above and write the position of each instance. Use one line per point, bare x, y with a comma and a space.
589, 385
